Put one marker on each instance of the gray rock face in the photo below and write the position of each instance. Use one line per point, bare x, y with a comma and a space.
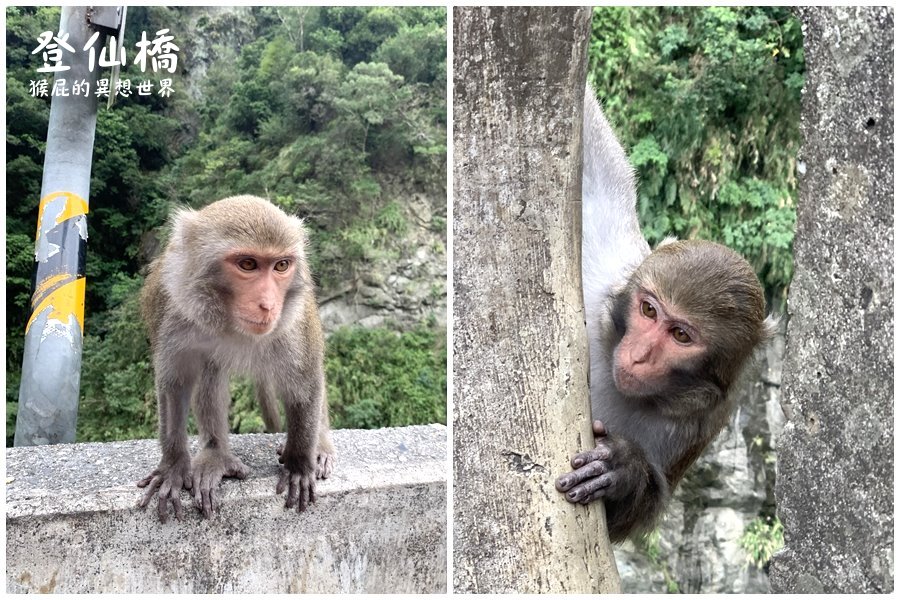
405, 290
835, 463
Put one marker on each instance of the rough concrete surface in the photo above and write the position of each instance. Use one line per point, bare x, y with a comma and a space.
835, 484
379, 523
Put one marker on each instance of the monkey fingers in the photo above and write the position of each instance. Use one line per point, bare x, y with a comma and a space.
205, 494
600, 452
168, 492
301, 489
210, 466
168, 482
324, 463
582, 483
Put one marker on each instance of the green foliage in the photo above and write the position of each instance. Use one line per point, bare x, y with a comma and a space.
707, 102
413, 52
762, 538
391, 219
245, 414
12, 410
117, 401
381, 378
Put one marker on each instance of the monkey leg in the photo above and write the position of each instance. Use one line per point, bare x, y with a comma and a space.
215, 459
618, 471
174, 471
298, 455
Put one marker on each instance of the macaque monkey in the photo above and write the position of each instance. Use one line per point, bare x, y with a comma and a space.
669, 332
232, 293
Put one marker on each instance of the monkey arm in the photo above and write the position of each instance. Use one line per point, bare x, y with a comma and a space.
619, 471
302, 407
174, 470
215, 459
612, 243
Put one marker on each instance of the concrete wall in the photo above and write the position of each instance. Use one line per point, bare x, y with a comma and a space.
379, 523
835, 484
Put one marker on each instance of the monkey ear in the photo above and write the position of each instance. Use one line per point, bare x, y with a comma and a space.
669, 240
183, 220
771, 326
298, 224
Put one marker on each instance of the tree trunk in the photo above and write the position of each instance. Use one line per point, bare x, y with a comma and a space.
520, 351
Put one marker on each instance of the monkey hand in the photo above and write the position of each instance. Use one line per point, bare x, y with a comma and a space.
210, 465
606, 471
168, 478
298, 476
324, 458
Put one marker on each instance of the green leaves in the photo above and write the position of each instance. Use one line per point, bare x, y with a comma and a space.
381, 378
762, 539
706, 102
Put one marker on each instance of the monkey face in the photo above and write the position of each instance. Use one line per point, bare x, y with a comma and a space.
658, 344
258, 284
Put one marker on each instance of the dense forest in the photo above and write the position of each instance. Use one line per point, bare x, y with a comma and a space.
335, 114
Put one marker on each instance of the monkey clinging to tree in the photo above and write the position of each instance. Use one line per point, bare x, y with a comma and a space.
669, 332
232, 293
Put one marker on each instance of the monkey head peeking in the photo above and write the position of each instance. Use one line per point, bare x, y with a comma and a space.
232, 293
669, 332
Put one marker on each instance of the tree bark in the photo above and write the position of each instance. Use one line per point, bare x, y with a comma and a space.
520, 350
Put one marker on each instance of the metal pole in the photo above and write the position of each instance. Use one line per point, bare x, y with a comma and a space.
51, 368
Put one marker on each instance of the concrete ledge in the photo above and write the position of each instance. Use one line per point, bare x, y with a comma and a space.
379, 524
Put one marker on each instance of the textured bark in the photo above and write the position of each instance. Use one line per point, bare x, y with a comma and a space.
520, 351
835, 463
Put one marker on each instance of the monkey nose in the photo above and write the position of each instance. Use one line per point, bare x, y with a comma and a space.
640, 354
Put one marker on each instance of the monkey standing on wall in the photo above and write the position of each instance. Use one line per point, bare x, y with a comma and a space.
232, 292
669, 332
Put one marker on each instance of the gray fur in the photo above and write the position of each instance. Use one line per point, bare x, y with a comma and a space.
197, 344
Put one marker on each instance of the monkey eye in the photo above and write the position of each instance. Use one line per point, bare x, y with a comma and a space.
247, 264
648, 310
282, 265
681, 336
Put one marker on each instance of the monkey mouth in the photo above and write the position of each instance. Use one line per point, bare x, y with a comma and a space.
626, 382
257, 327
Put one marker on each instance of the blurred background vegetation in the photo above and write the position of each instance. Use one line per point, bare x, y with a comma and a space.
335, 114
706, 102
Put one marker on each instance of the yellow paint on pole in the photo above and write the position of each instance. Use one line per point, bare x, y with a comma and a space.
47, 285
65, 300
75, 207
